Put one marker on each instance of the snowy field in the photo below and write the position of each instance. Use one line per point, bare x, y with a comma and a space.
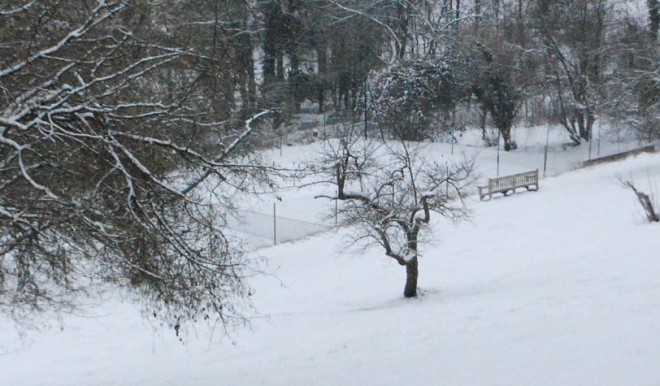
556, 287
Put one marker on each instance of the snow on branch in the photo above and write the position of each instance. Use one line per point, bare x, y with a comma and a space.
97, 16
16, 10
228, 150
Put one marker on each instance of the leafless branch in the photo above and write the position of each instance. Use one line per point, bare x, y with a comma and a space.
648, 202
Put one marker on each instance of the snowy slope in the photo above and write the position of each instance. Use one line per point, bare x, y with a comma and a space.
558, 287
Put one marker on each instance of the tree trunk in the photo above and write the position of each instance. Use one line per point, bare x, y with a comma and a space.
280, 65
508, 143
654, 20
482, 122
458, 13
410, 290
322, 77
477, 14
584, 118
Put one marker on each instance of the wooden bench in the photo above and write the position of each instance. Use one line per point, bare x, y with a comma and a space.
505, 184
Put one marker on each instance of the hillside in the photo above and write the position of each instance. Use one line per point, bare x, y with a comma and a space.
558, 287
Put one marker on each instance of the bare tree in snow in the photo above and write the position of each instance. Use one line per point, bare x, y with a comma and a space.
495, 89
647, 201
389, 193
631, 94
112, 171
573, 35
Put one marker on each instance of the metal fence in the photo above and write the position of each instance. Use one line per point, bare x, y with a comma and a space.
272, 227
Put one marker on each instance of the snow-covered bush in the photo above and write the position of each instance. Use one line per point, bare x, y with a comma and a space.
408, 95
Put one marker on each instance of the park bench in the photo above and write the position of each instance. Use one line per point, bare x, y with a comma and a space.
510, 183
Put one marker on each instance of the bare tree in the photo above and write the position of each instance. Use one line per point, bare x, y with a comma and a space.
495, 88
631, 95
573, 38
112, 171
389, 193
648, 202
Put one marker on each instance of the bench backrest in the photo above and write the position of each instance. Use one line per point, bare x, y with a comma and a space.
506, 182
528, 178
514, 181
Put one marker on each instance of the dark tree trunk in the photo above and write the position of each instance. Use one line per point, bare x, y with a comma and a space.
268, 67
654, 20
320, 95
403, 34
506, 137
322, 55
271, 43
482, 122
410, 290
477, 14
245, 73
458, 13
586, 120
280, 66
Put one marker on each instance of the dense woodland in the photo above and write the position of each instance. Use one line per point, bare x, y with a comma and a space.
423, 66
102, 101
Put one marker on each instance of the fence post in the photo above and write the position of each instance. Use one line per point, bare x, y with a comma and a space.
545, 153
366, 119
336, 208
447, 190
598, 154
499, 133
274, 224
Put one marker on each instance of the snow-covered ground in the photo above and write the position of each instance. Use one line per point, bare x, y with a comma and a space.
556, 287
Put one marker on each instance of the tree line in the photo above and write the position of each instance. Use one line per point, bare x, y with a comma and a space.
569, 61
